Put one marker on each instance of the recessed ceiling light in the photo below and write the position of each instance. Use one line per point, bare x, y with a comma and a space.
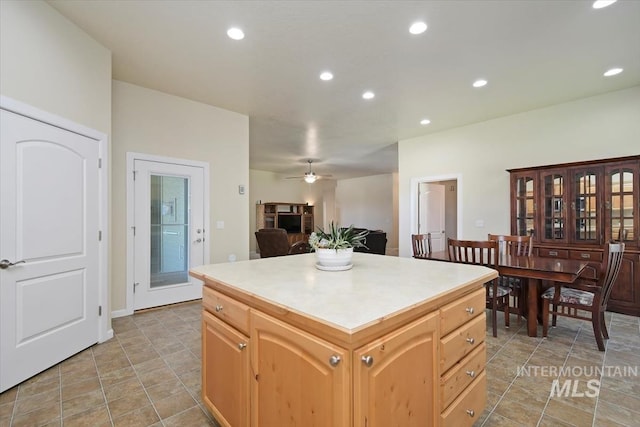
612, 72
326, 75
425, 122
235, 33
599, 4
418, 28
480, 83
368, 95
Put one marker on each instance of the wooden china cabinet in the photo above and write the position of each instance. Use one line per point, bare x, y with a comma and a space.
573, 209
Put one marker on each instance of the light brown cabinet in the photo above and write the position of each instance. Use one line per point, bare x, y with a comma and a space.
296, 218
261, 369
573, 209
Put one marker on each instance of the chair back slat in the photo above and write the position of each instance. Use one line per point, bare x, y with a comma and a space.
513, 245
421, 244
613, 262
485, 252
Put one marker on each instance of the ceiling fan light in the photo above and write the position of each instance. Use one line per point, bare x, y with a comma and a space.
310, 177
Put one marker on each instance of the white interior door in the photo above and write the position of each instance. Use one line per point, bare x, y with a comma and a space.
49, 227
431, 211
169, 232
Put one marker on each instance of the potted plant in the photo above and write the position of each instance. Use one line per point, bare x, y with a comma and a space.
334, 247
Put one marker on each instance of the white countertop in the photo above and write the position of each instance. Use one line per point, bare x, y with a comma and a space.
375, 287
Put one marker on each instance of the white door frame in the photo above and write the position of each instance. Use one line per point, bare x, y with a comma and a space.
131, 158
105, 332
414, 202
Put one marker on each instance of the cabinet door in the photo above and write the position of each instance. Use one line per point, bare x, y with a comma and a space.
554, 210
586, 206
225, 372
396, 378
298, 379
523, 203
622, 188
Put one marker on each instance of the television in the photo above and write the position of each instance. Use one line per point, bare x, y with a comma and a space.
291, 223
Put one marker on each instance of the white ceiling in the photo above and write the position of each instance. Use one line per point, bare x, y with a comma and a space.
533, 53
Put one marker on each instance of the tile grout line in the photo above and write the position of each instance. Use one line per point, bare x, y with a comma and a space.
575, 338
104, 395
138, 376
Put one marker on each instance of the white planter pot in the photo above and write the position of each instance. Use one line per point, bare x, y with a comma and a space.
332, 259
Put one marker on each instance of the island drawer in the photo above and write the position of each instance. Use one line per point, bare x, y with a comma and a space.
233, 312
462, 341
456, 379
459, 312
469, 406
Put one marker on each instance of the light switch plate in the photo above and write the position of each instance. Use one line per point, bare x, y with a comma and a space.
219, 225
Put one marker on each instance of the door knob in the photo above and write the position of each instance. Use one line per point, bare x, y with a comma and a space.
5, 263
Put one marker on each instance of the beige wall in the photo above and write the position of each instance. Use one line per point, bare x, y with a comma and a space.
151, 122
368, 202
272, 187
49, 63
592, 128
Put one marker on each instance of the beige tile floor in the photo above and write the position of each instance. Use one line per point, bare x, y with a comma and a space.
149, 375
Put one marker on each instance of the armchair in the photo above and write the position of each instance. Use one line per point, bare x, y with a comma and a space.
273, 242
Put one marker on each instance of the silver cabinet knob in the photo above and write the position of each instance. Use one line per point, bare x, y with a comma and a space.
242, 346
218, 308
471, 412
367, 360
471, 373
334, 360
5, 263
471, 340
469, 310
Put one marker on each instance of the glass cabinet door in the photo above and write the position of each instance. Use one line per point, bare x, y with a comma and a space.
554, 218
585, 206
620, 200
524, 199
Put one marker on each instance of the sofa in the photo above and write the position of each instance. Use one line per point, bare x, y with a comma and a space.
376, 242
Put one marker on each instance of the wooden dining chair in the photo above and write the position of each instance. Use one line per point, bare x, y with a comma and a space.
514, 245
421, 244
483, 253
585, 299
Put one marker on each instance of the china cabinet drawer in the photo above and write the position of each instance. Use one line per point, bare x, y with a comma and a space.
553, 253
587, 255
462, 341
459, 312
227, 309
456, 379
469, 406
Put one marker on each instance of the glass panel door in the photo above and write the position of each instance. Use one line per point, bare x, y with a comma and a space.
524, 199
585, 206
620, 203
555, 212
169, 249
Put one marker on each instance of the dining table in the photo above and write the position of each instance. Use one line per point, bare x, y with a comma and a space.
532, 270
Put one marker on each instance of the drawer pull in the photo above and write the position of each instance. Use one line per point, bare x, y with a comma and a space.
585, 256
471, 340
242, 346
367, 360
334, 360
472, 374
471, 412
553, 253
218, 308
469, 310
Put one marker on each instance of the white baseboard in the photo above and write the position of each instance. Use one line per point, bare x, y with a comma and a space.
121, 313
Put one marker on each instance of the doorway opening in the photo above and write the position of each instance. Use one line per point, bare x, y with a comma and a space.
436, 203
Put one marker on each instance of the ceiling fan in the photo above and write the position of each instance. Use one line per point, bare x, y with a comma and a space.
309, 176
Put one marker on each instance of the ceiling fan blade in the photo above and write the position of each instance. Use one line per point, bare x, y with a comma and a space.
293, 177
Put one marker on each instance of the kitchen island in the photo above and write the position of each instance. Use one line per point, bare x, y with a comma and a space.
393, 341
